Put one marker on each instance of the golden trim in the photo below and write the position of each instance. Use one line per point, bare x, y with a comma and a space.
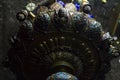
116, 26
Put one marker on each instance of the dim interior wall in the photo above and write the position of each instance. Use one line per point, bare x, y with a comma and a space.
8, 26
105, 13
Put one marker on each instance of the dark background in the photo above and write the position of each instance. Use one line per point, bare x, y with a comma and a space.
105, 13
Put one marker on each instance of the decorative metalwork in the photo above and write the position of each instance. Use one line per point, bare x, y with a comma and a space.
68, 45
